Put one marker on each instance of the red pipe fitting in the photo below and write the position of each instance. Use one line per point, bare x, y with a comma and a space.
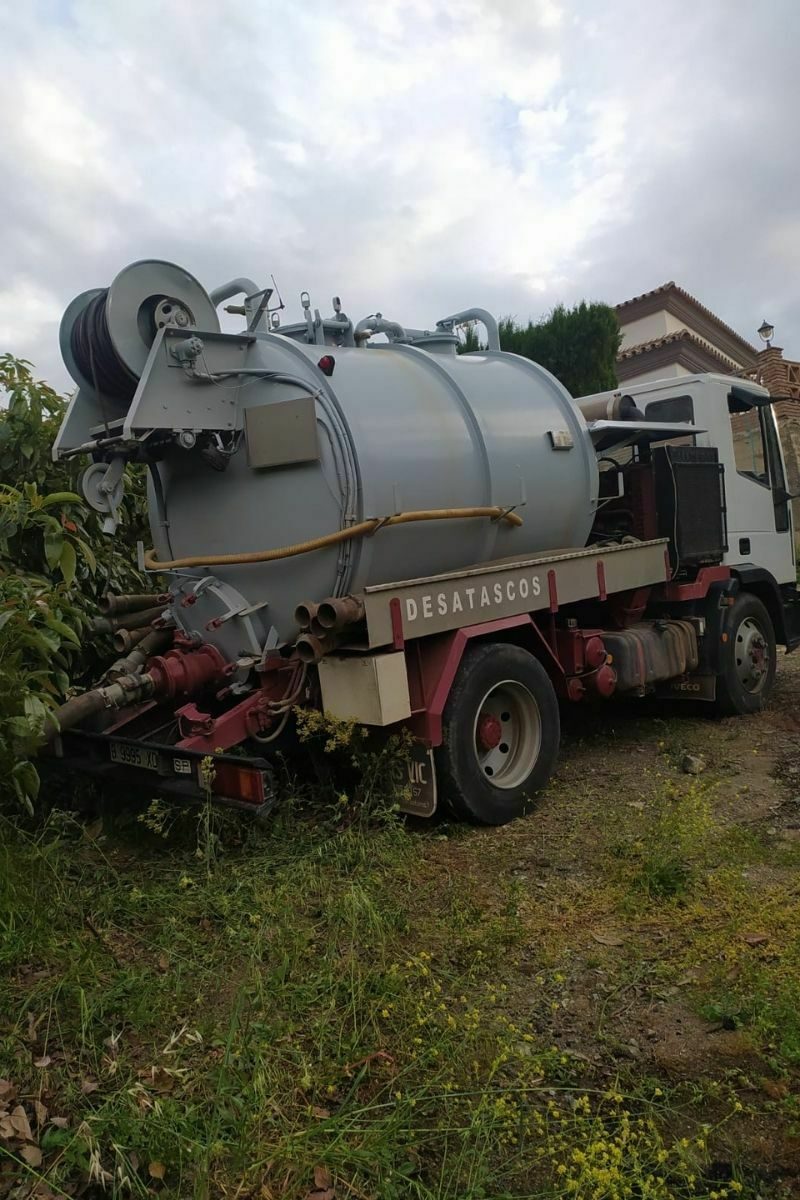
604, 680
182, 672
594, 653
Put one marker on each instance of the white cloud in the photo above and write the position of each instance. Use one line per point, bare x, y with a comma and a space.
405, 155
26, 308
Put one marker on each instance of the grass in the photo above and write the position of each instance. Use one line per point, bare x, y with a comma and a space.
344, 1004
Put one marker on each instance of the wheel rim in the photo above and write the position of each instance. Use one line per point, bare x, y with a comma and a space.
751, 650
507, 734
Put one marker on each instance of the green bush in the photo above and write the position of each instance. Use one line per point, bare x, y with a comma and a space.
54, 563
578, 345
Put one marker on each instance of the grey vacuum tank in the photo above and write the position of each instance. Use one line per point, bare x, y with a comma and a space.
280, 435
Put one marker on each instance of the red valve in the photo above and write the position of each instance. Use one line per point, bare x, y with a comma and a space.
182, 673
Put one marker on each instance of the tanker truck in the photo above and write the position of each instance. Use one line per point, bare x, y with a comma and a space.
355, 517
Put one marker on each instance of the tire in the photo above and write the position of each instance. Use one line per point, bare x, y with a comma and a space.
747, 658
500, 692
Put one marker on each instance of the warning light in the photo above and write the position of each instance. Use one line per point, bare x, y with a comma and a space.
326, 364
232, 782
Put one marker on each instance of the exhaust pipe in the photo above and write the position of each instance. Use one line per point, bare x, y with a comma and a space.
617, 408
116, 606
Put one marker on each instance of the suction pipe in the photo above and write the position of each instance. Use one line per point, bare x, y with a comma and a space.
475, 314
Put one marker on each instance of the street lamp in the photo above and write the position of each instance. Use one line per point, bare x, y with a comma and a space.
766, 332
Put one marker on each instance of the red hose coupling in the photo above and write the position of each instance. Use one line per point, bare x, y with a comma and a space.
184, 672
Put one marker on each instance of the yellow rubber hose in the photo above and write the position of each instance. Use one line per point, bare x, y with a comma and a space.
362, 529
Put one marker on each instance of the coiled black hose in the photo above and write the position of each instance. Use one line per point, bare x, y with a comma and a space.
95, 355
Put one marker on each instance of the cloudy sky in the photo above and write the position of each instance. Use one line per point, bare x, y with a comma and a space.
412, 156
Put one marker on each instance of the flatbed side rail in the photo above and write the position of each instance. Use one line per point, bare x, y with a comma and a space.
452, 600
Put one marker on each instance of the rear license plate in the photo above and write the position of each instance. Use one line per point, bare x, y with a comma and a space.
134, 756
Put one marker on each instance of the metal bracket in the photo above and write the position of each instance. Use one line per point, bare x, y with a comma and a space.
258, 310
103, 487
188, 351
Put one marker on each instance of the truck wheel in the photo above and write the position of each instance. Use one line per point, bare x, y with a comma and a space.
747, 673
500, 735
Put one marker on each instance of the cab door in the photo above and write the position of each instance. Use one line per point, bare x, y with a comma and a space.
759, 514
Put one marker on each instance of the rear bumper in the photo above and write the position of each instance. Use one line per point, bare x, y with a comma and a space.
192, 775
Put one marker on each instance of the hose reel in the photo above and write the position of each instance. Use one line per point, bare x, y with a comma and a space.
106, 334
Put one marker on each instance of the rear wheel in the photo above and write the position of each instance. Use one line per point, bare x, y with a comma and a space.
747, 658
500, 735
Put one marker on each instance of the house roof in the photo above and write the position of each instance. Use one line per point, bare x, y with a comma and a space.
680, 335
683, 348
670, 295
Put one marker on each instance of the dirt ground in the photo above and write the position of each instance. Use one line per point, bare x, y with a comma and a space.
639, 980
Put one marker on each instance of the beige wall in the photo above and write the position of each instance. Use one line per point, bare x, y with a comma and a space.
657, 325
670, 372
645, 329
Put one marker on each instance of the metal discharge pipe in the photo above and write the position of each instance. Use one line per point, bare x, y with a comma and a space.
311, 649
305, 613
153, 641
335, 613
475, 314
126, 689
176, 673
124, 640
234, 287
113, 605
134, 620
378, 324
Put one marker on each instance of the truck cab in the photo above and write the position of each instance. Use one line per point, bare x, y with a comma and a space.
734, 419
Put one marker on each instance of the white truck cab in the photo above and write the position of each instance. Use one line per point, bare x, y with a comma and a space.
736, 418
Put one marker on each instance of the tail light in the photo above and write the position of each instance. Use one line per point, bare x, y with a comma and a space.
246, 784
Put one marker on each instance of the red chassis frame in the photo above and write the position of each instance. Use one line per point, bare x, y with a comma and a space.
574, 656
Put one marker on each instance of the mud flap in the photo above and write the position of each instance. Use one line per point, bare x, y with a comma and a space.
688, 687
419, 782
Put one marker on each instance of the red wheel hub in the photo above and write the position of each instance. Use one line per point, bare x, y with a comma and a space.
490, 731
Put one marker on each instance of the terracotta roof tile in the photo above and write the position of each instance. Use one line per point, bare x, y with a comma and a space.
664, 287
672, 286
679, 335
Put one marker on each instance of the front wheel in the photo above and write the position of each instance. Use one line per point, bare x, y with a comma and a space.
747, 658
500, 734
